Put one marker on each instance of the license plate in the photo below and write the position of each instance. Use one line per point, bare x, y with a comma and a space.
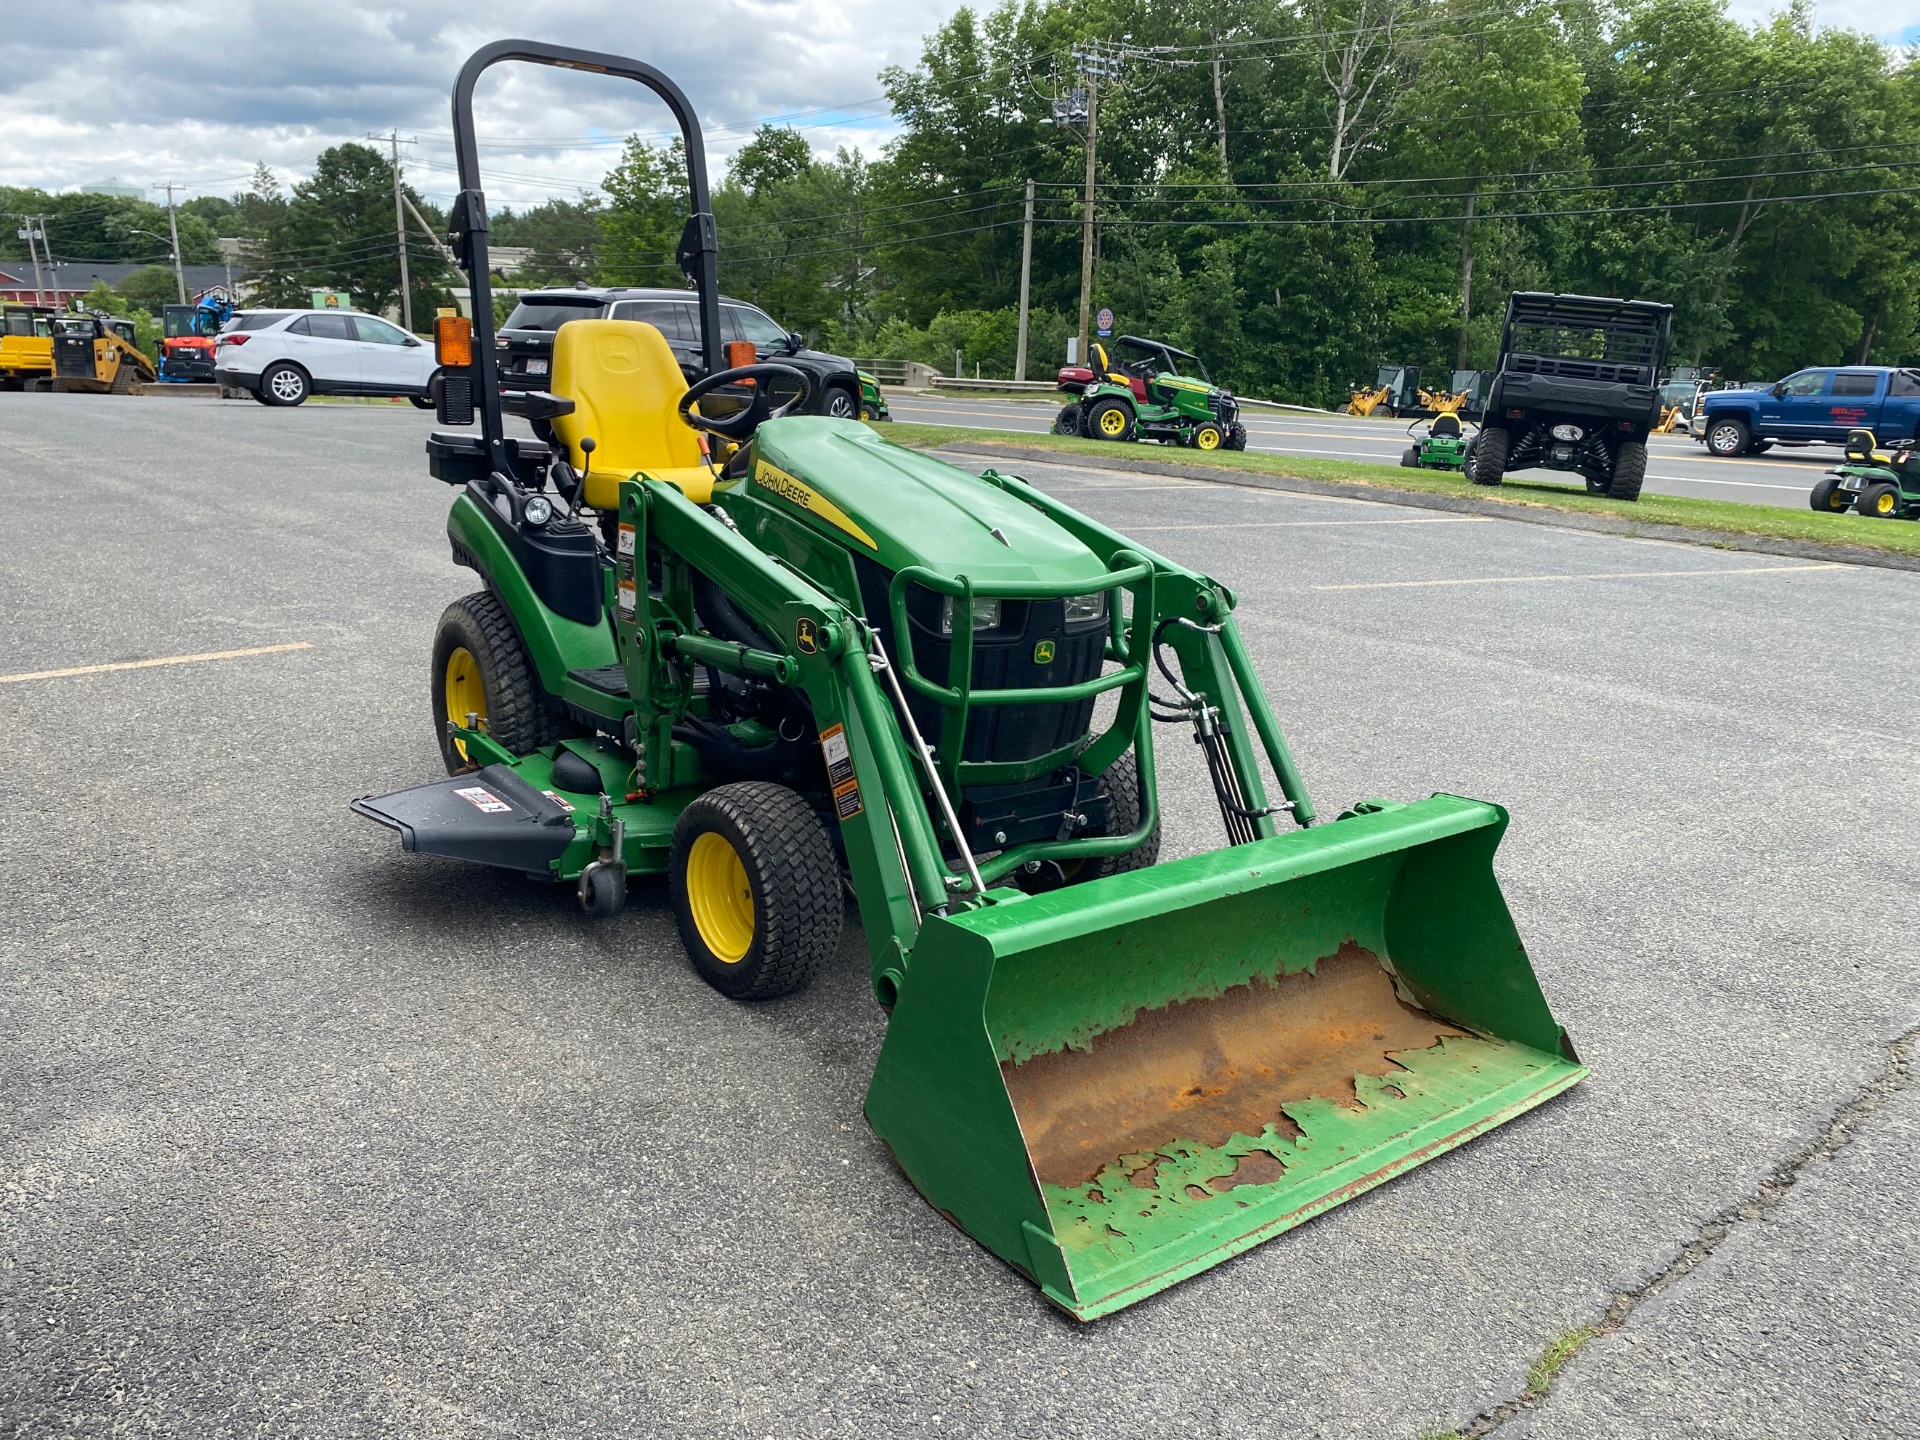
536, 367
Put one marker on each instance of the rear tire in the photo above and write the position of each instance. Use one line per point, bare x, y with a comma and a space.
1826, 492
424, 400
285, 384
1629, 470
1879, 502
1110, 419
756, 890
1208, 436
1489, 461
479, 666
1728, 438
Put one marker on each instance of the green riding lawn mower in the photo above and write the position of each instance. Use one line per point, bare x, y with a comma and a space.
777, 658
1868, 482
1438, 444
1161, 394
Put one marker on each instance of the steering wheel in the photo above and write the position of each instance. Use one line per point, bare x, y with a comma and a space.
742, 423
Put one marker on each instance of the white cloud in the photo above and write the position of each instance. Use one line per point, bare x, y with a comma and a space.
153, 91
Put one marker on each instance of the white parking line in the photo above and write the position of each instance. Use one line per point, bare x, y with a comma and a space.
1614, 575
150, 664
1293, 524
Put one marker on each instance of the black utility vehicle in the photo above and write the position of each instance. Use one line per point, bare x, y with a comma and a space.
1575, 390
524, 344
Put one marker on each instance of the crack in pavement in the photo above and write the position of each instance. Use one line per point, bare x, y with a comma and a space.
1833, 1138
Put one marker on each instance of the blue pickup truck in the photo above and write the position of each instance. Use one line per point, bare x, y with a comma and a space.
1813, 407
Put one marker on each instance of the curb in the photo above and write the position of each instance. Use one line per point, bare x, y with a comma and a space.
1458, 505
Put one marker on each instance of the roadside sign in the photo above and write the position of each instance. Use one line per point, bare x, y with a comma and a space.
1104, 320
332, 300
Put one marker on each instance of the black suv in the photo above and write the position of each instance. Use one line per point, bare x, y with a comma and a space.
525, 342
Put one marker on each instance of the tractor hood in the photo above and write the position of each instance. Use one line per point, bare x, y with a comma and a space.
899, 507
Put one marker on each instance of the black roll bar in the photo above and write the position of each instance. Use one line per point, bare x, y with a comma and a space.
467, 224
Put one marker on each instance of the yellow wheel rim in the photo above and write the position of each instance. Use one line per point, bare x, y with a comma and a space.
464, 694
1207, 438
1113, 422
720, 898
1884, 504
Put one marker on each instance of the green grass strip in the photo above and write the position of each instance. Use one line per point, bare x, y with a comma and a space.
1730, 517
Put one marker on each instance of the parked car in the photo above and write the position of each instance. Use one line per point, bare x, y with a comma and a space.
525, 342
280, 357
1812, 407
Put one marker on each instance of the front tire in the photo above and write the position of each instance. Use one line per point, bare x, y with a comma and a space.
1067, 422
840, 404
1828, 497
1629, 470
1728, 438
479, 668
1237, 437
424, 400
285, 384
755, 889
1410, 457
1110, 419
1489, 461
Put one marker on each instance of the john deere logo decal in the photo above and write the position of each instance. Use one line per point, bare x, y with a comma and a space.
1043, 653
805, 637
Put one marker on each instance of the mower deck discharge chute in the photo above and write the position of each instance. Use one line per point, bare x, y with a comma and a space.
814, 658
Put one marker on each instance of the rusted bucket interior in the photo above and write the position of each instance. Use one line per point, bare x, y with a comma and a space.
1203, 1071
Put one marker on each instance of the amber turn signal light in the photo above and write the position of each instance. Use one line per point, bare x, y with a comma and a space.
453, 341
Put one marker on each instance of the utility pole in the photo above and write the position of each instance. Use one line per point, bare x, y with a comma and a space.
173, 228
1220, 107
1086, 218
400, 232
1093, 63
1026, 285
34, 229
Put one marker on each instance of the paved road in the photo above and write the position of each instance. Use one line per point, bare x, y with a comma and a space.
299, 1136
1675, 465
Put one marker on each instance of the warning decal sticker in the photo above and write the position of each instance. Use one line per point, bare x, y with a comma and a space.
839, 757
484, 800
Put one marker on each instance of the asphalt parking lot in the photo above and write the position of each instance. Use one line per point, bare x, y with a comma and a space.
299, 1136
1676, 465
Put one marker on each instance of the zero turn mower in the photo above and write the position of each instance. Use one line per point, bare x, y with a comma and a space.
773, 655
1441, 445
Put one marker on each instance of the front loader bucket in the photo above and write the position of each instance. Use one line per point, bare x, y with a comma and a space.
1119, 1084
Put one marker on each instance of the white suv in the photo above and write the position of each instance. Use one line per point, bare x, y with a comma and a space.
282, 356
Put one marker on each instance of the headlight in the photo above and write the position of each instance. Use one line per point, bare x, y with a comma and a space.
986, 614
1083, 608
539, 510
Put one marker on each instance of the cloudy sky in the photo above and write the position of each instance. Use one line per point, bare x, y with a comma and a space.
150, 90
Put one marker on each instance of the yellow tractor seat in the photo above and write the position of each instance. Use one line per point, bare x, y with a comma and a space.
1860, 450
1446, 426
625, 386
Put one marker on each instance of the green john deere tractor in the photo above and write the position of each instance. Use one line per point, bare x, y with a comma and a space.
1441, 445
772, 655
1880, 486
1160, 394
